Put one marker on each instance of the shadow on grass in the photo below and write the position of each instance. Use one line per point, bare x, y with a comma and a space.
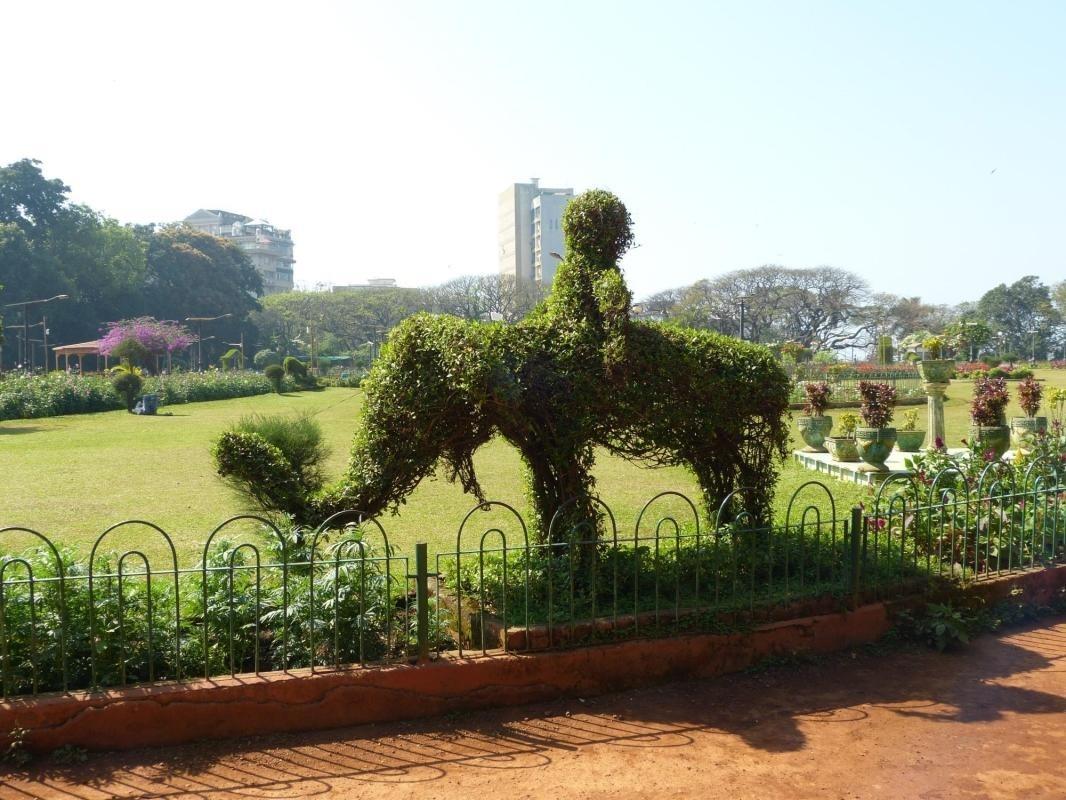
5, 431
774, 710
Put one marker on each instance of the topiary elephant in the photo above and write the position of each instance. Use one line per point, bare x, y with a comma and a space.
575, 374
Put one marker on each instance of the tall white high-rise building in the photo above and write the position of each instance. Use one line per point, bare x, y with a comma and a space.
530, 230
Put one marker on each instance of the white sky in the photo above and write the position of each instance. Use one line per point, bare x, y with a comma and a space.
859, 135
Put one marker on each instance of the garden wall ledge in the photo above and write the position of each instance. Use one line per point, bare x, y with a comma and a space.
299, 700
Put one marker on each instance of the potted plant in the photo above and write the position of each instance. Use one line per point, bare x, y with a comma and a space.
989, 430
1025, 430
932, 367
876, 440
815, 426
842, 446
909, 437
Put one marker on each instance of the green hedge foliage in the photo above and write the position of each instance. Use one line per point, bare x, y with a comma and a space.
31, 397
577, 373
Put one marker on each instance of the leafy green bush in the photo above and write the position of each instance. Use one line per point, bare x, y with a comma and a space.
299, 438
1021, 373
34, 396
275, 373
264, 358
128, 383
294, 367
358, 613
133, 351
297, 371
998, 372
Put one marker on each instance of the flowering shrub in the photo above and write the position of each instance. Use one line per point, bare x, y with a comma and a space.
1058, 364
1029, 395
969, 369
34, 396
157, 337
989, 402
878, 400
818, 393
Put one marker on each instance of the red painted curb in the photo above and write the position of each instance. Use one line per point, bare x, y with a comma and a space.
174, 713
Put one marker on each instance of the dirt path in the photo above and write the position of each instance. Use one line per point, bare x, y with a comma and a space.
987, 722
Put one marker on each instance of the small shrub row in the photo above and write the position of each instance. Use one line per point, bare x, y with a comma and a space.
57, 393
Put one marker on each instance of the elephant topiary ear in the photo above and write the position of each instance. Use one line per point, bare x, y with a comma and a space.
597, 226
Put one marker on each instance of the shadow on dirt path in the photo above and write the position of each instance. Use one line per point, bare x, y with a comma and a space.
989, 721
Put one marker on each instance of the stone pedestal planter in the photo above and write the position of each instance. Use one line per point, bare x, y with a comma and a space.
1025, 430
936, 375
991, 437
936, 370
842, 449
874, 445
909, 441
814, 430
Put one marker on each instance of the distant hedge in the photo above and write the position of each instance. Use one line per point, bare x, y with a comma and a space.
29, 397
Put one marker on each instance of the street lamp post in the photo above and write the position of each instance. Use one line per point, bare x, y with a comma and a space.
43, 325
742, 302
239, 344
200, 336
25, 321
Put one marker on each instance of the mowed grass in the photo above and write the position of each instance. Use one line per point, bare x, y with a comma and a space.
72, 477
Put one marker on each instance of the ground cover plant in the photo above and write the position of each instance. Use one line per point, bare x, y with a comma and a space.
241, 611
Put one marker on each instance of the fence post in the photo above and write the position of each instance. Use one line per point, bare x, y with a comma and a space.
422, 598
857, 531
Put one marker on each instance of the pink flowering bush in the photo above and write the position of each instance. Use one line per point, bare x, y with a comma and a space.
157, 336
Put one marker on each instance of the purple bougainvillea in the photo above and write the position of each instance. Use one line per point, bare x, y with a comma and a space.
159, 336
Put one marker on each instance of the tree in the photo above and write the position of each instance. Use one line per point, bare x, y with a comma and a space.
967, 337
816, 307
1021, 315
28, 199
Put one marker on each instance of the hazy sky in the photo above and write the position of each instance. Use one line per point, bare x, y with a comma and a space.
922, 145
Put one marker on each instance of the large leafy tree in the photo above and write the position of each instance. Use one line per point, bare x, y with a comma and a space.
28, 199
1021, 315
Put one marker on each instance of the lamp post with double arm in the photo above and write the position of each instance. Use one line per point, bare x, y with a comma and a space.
200, 336
24, 348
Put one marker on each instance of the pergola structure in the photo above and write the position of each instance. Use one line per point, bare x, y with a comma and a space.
80, 351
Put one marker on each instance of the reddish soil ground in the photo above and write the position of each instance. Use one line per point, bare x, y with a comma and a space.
989, 721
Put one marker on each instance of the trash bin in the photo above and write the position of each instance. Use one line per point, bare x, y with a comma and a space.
150, 403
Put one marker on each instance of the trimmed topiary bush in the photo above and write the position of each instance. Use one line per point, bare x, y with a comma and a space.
264, 358
294, 367
275, 373
128, 382
577, 373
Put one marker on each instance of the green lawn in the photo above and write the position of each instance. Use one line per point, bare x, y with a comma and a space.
71, 477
